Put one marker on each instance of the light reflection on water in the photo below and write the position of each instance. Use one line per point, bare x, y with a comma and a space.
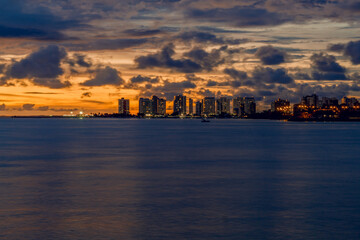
178, 179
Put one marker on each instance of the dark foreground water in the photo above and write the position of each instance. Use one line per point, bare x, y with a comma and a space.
178, 179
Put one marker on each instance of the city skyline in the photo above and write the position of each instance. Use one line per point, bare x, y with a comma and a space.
64, 56
310, 106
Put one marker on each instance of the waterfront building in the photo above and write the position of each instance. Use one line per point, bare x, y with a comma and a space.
145, 106
310, 100
199, 108
209, 106
281, 106
327, 102
350, 102
249, 105
191, 106
223, 106
158, 106
124, 106
179, 105
238, 106
162, 107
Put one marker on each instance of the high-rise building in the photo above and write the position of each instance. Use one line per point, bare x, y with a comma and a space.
223, 106
238, 106
281, 106
249, 105
191, 106
179, 105
244, 106
162, 107
311, 100
155, 105
124, 106
199, 108
350, 102
158, 106
145, 106
327, 102
209, 106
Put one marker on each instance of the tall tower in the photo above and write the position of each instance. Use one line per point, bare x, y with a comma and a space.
209, 106
144, 106
124, 106
191, 106
179, 105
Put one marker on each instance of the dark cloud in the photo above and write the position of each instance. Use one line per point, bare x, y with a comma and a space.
336, 47
193, 78
325, 67
270, 55
239, 16
326, 63
270, 75
236, 74
43, 108
169, 89
208, 38
28, 107
144, 79
142, 32
107, 44
51, 83
42, 67
20, 19
207, 60
80, 60
44, 63
164, 59
104, 76
352, 50
86, 95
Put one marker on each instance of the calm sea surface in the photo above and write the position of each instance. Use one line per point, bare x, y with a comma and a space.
178, 179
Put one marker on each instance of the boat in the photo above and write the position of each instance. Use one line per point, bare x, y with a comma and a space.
205, 120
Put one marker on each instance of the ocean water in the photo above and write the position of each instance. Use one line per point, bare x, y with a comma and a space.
178, 179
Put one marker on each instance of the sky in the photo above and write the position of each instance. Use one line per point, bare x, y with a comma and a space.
61, 56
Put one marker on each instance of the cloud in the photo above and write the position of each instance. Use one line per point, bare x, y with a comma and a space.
80, 60
325, 67
352, 50
51, 83
239, 16
107, 44
28, 107
207, 38
164, 59
86, 95
44, 63
169, 89
142, 32
144, 79
19, 19
207, 60
270, 75
43, 108
104, 76
336, 47
195, 60
270, 55
236, 74
2, 107
42, 67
